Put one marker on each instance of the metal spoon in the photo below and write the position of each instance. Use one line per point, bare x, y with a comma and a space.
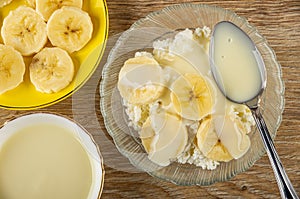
285, 187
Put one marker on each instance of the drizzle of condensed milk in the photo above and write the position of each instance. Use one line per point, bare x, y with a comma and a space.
235, 62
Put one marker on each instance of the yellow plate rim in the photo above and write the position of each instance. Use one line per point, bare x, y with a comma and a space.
43, 105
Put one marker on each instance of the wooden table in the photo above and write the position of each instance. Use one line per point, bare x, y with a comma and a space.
279, 22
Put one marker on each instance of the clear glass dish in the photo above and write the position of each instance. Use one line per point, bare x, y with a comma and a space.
140, 37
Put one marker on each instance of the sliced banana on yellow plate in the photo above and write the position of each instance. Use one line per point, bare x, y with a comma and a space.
12, 68
141, 80
31, 3
4, 3
78, 27
47, 7
192, 96
51, 70
69, 28
25, 30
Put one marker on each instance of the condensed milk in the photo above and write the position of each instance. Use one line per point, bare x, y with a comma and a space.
236, 63
48, 156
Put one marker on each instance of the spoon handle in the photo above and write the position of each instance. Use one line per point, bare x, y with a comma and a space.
285, 186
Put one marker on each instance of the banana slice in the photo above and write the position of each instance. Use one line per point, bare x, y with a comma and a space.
51, 70
177, 63
141, 80
47, 7
219, 153
232, 135
12, 68
165, 102
4, 3
164, 137
147, 130
69, 28
169, 141
164, 156
167, 127
192, 96
209, 143
222, 138
25, 30
207, 138
31, 3
146, 135
147, 144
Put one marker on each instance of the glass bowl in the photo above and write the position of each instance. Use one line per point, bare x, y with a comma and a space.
25, 96
140, 37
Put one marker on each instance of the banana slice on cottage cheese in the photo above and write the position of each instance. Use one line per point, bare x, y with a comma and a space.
233, 135
164, 137
209, 143
222, 138
31, 3
4, 3
25, 30
141, 80
192, 96
146, 134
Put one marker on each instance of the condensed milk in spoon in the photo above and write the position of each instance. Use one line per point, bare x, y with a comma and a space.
240, 74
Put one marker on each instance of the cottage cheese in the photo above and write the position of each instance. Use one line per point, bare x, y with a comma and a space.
192, 46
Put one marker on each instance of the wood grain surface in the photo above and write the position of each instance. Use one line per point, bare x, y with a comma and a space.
279, 22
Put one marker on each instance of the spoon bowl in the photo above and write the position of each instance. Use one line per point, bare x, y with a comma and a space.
230, 71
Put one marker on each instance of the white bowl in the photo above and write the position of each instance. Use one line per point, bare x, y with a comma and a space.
14, 126
160, 25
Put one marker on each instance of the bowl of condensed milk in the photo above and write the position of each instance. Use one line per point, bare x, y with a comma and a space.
48, 156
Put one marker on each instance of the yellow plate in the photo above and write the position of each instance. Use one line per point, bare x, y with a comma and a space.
86, 60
